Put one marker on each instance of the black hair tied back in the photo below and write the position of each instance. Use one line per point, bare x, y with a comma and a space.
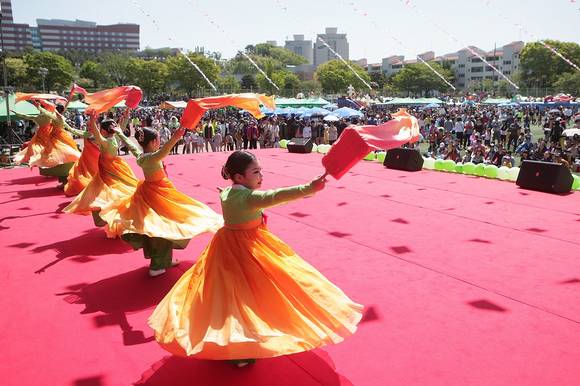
108, 125
237, 163
145, 135
225, 174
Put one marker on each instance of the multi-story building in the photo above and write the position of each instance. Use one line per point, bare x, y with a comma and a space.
65, 35
467, 67
300, 47
16, 37
336, 41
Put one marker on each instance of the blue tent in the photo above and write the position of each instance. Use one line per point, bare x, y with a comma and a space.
330, 106
346, 112
266, 111
345, 102
317, 111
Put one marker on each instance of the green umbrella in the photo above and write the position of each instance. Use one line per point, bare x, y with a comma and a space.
77, 105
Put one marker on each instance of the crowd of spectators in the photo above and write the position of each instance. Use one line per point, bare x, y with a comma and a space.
478, 134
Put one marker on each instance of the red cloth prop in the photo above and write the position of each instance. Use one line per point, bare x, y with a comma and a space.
75, 89
196, 108
23, 96
104, 100
42, 99
356, 142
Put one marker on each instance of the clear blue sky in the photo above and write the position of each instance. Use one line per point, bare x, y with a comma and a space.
254, 21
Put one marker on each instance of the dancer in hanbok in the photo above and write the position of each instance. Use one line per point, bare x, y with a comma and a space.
51, 149
114, 179
249, 295
157, 217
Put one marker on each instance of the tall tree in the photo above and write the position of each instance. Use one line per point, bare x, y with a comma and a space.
17, 71
419, 79
60, 71
539, 67
335, 76
568, 83
150, 75
96, 72
117, 66
228, 84
186, 77
249, 82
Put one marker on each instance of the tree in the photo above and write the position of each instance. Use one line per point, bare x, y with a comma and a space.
568, 83
378, 79
335, 76
504, 88
249, 82
17, 73
96, 72
228, 84
313, 86
389, 89
284, 56
291, 82
487, 85
283, 79
117, 67
186, 77
150, 75
419, 79
60, 71
539, 67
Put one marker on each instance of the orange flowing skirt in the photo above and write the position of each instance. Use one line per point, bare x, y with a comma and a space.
83, 170
157, 209
251, 296
49, 147
113, 181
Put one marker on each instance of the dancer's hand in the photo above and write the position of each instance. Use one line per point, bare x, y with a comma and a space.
318, 183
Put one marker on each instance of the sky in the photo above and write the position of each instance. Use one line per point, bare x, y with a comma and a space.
372, 27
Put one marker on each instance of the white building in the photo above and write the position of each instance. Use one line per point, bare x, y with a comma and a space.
337, 41
468, 68
300, 47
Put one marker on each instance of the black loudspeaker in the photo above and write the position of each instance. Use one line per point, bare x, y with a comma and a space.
404, 159
545, 176
300, 145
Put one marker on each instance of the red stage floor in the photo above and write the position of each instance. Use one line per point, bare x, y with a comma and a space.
466, 281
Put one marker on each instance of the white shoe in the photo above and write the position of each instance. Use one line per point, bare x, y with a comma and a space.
156, 272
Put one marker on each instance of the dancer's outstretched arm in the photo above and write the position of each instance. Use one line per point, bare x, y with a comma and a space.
92, 125
260, 199
166, 149
130, 145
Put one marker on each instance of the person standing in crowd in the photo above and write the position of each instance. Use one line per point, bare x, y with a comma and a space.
307, 131
208, 134
253, 134
459, 131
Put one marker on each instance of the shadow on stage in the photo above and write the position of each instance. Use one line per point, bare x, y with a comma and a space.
305, 369
113, 298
